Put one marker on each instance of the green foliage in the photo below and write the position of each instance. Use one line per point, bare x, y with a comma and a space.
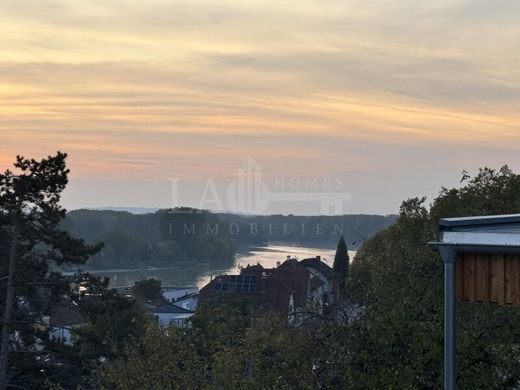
158, 360
400, 331
180, 358
30, 217
399, 281
147, 289
341, 260
111, 319
167, 237
490, 192
228, 348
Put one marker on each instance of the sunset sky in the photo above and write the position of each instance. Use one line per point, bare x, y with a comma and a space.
394, 97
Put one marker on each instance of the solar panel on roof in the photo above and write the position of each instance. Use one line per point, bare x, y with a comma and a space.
237, 283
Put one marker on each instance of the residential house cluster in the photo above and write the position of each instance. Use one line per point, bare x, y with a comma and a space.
293, 289
174, 307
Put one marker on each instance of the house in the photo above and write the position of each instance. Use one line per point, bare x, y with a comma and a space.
327, 275
188, 302
169, 294
125, 292
264, 294
64, 319
294, 289
172, 294
170, 314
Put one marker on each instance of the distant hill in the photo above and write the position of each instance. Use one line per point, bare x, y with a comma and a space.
132, 210
186, 235
307, 230
153, 239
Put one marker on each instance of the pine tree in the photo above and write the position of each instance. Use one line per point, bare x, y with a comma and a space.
341, 260
32, 242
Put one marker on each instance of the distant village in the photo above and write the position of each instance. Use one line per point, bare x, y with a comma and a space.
293, 290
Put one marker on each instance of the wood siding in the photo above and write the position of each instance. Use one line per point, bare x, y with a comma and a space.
483, 278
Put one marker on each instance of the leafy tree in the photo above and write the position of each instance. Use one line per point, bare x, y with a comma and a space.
229, 346
147, 289
33, 241
341, 260
398, 340
181, 357
157, 360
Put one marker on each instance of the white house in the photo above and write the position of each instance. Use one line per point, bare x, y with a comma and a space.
170, 314
327, 275
188, 302
172, 294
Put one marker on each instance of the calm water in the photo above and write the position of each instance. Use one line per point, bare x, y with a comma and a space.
199, 273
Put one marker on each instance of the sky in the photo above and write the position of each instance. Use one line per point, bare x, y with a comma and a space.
385, 99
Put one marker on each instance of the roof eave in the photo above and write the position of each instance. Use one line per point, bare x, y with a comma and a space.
477, 248
479, 221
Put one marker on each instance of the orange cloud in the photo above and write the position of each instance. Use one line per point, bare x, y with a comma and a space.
137, 90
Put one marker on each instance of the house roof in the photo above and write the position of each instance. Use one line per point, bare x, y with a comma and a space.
157, 302
170, 308
296, 278
275, 296
272, 287
481, 220
173, 288
316, 283
496, 233
186, 297
269, 293
257, 270
289, 264
66, 315
321, 267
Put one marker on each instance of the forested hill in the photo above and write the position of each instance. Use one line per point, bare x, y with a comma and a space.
306, 230
188, 235
156, 239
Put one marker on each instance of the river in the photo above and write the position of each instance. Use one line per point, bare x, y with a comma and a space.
199, 273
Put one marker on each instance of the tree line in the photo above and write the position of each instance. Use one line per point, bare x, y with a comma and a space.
185, 235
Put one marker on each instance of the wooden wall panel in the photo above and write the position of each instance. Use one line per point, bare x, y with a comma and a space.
512, 279
497, 279
484, 278
469, 277
516, 280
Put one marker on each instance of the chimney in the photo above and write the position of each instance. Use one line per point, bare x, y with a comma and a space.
318, 258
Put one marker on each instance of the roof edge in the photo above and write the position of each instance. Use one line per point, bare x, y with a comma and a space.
480, 220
